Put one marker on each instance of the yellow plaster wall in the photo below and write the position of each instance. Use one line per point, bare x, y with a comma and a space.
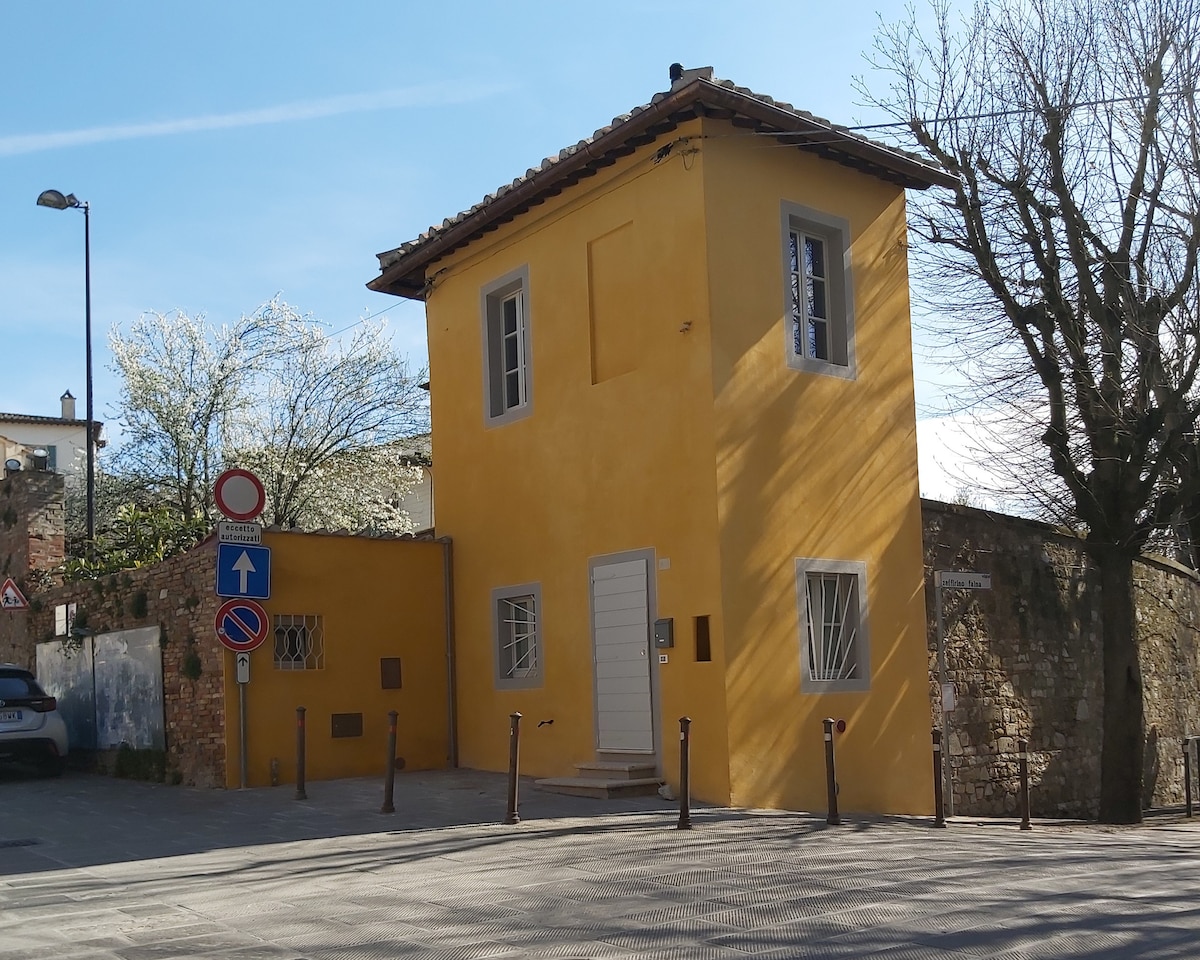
377, 598
616, 456
814, 466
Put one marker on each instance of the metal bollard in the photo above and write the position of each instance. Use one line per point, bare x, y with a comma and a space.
939, 801
301, 794
830, 775
685, 774
389, 776
1187, 775
514, 759
1023, 767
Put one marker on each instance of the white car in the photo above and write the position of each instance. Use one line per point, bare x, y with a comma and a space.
31, 729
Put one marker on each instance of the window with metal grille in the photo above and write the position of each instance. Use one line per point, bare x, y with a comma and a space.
833, 624
820, 304
516, 613
507, 373
299, 642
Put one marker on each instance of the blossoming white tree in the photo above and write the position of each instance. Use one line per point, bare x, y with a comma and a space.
317, 418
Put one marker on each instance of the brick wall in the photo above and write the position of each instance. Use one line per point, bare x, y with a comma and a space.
32, 547
177, 595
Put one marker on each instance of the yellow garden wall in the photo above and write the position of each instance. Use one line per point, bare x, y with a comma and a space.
377, 598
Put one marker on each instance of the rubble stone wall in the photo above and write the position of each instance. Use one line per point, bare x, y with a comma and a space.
1024, 658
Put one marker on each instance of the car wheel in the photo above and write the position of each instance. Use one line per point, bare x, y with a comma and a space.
53, 767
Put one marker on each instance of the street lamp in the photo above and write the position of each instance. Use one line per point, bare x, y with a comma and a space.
54, 199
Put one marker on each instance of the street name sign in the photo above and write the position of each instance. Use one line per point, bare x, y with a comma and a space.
242, 625
965, 580
245, 533
243, 571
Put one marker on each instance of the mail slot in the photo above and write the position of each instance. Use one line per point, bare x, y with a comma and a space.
664, 632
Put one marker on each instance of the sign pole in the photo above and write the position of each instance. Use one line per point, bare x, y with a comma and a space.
242, 730
944, 724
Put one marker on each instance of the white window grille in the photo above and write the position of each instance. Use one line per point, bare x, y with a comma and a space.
834, 651
516, 613
299, 642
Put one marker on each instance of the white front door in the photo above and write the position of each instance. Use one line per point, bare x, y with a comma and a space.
621, 641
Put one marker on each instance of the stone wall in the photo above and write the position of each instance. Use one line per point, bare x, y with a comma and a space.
1024, 658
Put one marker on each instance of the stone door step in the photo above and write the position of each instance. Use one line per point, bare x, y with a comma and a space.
616, 770
600, 788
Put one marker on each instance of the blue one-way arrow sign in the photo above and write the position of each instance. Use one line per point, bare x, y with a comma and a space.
243, 571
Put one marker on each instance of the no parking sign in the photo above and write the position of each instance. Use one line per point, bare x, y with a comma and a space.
242, 625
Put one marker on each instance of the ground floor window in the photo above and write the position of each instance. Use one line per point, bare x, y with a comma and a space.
833, 624
517, 635
299, 642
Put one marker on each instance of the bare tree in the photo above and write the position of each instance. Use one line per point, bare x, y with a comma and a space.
1065, 260
316, 418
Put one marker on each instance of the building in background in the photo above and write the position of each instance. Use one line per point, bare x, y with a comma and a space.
62, 440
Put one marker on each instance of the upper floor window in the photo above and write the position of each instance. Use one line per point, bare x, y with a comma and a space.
820, 327
507, 375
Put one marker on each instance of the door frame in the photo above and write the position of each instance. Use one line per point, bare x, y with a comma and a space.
624, 556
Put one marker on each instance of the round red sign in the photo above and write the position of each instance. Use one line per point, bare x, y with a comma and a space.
239, 494
242, 624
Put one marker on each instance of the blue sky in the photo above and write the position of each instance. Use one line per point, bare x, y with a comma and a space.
234, 151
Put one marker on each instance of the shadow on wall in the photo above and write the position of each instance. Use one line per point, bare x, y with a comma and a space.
1024, 661
1150, 767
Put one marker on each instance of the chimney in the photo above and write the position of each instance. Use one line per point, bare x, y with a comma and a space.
68, 406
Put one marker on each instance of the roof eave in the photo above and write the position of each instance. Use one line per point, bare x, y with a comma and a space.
405, 276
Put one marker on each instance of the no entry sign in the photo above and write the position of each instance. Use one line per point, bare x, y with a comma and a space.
239, 494
242, 624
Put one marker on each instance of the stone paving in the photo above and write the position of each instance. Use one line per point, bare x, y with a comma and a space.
93, 867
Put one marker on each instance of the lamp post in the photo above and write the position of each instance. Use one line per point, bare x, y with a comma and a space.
55, 200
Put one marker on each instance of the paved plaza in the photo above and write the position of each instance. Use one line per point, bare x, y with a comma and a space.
94, 867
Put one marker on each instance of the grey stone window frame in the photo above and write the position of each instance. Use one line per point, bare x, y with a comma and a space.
834, 232
530, 675
497, 408
861, 681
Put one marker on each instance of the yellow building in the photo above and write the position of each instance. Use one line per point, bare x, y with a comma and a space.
674, 430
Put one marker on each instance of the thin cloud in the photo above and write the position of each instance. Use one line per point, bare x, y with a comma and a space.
424, 95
